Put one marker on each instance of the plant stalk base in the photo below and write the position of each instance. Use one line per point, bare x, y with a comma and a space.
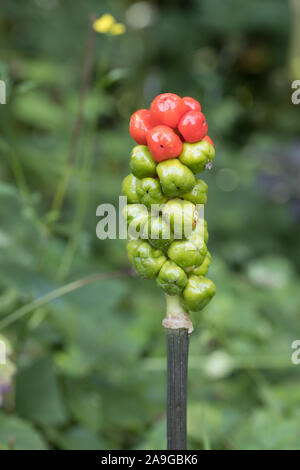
177, 365
176, 317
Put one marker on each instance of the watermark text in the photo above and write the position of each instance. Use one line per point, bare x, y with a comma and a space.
2, 353
2, 92
296, 354
296, 94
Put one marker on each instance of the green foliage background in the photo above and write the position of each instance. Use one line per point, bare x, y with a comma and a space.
91, 364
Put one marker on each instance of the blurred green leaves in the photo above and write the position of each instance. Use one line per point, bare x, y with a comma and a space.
91, 364
19, 435
38, 397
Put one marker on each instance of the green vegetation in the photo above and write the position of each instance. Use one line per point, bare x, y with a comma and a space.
90, 365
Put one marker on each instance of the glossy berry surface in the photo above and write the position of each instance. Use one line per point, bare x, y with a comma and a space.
139, 126
167, 109
168, 236
193, 126
163, 143
191, 104
208, 139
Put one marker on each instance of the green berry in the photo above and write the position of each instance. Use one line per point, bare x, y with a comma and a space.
196, 156
136, 216
159, 233
197, 293
198, 194
187, 254
175, 178
171, 278
129, 189
131, 246
141, 162
203, 268
149, 192
148, 261
180, 215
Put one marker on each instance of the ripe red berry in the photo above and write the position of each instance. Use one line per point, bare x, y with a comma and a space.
191, 104
167, 109
163, 143
193, 126
140, 125
208, 139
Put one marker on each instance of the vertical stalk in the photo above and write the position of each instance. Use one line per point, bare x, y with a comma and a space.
177, 328
86, 78
177, 367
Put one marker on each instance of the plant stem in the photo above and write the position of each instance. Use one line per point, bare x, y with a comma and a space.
80, 210
86, 77
177, 367
177, 328
56, 293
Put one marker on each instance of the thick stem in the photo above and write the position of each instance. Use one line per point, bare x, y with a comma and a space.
177, 328
177, 365
176, 316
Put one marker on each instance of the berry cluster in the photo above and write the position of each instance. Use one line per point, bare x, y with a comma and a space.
170, 122
173, 147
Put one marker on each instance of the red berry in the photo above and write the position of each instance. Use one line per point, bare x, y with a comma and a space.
140, 125
167, 109
193, 126
191, 104
208, 139
163, 143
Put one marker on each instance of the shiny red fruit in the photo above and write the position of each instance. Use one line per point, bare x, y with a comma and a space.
167, 109
208, 139
163, 143
191, 104
139, 126
193, 126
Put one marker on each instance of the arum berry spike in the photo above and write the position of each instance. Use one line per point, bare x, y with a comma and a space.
167, 231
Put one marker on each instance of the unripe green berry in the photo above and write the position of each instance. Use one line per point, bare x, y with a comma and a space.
141, 162
136, 215
175, 178
171, 278
149, 192
203, 268
196, 156
198, 194
197, 293
200, 231
180, 215
129, 189
131, 246
158, 233
187, 254
148, 261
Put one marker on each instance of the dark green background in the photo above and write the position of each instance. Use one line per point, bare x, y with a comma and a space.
91, 365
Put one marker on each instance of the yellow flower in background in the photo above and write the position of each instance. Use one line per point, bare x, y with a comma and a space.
106, 24
117, 29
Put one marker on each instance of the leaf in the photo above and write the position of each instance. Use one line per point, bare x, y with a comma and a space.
208, 423
79, 438
18, 434
155, 438
38, 397
270, 271
37, 109
85, 406
265, 430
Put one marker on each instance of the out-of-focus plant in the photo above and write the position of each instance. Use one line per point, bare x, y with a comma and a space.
107, 24
90, 364
7, 368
